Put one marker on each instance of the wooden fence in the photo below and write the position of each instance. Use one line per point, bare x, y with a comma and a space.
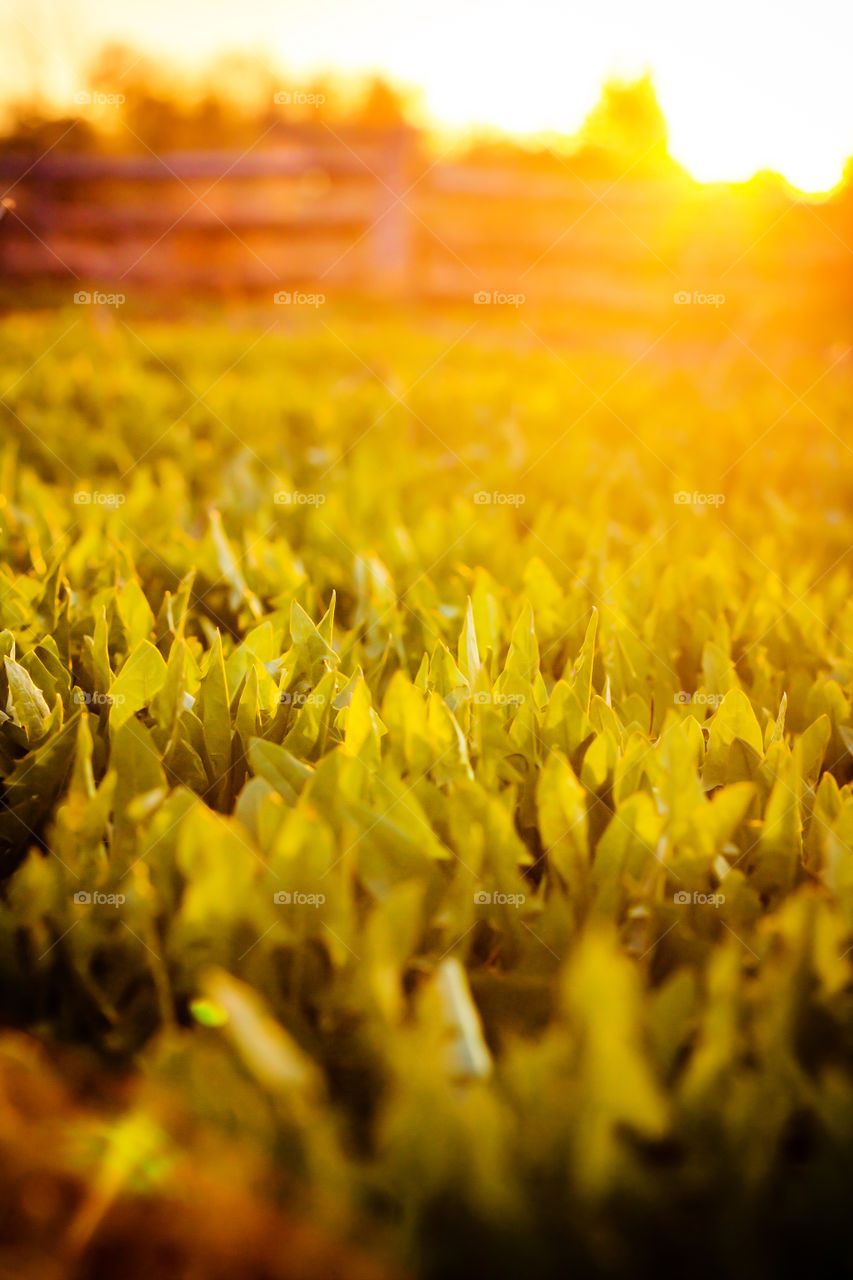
369, 210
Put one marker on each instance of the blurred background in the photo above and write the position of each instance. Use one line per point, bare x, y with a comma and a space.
314, 153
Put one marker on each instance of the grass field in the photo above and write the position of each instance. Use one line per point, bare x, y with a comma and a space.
426, 826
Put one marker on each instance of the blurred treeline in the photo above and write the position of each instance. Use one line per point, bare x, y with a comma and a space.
226, 105
232, 104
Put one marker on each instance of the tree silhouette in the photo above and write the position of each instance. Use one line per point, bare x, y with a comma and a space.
626, 129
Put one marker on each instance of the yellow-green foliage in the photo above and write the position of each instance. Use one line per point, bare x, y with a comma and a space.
487, 863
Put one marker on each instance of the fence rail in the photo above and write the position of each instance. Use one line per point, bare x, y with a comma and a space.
367, 209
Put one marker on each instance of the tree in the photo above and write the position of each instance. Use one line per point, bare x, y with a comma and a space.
626, 129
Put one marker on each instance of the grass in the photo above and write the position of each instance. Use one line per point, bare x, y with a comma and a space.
434, 828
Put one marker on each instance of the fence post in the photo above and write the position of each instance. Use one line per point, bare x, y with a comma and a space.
392, 237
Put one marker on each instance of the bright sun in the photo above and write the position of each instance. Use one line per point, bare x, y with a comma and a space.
744, 84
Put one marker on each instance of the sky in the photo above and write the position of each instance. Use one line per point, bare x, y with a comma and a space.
744, 84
